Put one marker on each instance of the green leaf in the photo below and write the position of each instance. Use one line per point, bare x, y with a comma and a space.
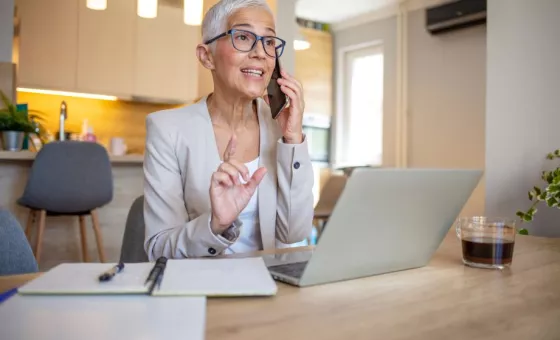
557, 152
531, 195
553, 188
537, 190
552, 202
547, 176
523, 231
542, 196
527, 218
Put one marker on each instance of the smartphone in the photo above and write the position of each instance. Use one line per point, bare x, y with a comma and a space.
276, 98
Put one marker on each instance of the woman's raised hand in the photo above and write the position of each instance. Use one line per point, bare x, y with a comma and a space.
228, 195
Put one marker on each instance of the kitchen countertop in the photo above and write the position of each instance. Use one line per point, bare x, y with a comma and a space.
30, 155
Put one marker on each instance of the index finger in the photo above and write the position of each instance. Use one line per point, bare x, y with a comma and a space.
230, 149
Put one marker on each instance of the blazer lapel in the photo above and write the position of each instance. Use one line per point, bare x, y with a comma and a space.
267, 188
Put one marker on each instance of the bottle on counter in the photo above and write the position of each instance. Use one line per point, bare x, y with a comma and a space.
90, 136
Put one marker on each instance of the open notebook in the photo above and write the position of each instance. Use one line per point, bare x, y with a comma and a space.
208, 277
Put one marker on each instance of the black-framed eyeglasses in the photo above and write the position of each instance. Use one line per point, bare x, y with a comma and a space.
246, 41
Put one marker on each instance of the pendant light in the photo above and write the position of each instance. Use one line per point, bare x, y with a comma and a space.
147, 8
98, 5
192, 14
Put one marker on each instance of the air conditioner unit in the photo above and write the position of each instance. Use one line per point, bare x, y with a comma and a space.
455, 15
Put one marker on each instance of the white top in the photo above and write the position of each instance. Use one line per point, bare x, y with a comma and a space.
250, 238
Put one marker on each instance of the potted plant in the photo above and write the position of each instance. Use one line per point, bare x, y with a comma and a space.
14, 125
550, 194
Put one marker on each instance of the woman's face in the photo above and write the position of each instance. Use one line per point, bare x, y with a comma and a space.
245, 73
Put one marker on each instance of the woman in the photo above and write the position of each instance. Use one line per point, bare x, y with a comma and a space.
222, 176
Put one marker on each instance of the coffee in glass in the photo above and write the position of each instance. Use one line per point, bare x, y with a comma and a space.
487, 242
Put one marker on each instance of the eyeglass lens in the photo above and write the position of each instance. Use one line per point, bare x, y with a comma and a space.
245, 41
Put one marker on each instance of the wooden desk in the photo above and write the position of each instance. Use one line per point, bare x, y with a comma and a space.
444, 300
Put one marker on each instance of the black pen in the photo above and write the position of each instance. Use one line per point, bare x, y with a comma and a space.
108, 275
156, 274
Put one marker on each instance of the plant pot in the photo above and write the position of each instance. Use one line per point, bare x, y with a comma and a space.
12, 140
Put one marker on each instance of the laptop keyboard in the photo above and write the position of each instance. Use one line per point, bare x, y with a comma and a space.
290, 269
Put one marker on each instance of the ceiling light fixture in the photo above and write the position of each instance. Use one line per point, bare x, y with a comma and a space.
98, 5
147, 8
192, 14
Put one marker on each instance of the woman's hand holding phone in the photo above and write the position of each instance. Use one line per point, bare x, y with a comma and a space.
290, 118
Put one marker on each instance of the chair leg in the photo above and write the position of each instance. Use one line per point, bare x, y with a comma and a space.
98, 238
83, 239
39, 243
29, 225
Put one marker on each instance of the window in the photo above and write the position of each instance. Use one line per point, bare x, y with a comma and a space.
360, 133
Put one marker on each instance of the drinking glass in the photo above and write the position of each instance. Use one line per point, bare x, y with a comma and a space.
487, 242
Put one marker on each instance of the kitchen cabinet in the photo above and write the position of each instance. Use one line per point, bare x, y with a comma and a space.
106, 48
314, 69
66, 46
48, 44
166, 63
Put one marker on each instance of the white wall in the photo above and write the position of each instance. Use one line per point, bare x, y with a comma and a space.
523, 105
6, 29
446, 95
446, 100
384, 31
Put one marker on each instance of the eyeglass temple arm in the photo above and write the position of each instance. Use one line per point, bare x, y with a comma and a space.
215, 38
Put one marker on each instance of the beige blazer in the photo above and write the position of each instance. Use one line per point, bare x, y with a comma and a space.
181, 155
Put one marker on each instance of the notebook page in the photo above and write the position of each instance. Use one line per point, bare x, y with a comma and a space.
82, 278
217, 277
116, 317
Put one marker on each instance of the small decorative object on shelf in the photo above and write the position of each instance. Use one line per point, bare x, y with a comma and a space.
16, 124
550, 194
320, 26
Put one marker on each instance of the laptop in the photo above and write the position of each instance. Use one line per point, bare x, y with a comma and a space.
385, 220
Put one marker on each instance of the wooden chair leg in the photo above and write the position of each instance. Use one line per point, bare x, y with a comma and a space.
29, 225
40, 230
98, 238
83, 239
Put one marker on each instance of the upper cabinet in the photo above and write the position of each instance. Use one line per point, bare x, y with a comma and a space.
106, 51
165, 56
66, 46
314, 69
48, 44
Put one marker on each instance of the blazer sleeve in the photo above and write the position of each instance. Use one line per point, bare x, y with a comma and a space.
294, 212
169, 231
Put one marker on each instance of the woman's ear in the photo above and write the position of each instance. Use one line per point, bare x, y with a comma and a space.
204, 56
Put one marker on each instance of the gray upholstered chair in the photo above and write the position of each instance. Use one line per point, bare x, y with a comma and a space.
68, 178
132, 249
16, 256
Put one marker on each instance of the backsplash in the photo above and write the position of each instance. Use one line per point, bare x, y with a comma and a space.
108, 118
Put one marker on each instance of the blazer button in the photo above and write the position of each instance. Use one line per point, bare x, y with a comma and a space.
296, 165
212, 251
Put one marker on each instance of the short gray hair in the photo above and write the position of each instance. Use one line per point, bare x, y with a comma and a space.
215, 20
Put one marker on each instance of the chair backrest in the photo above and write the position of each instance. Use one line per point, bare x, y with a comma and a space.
69, 177
132, 249
330, 194
16, 256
